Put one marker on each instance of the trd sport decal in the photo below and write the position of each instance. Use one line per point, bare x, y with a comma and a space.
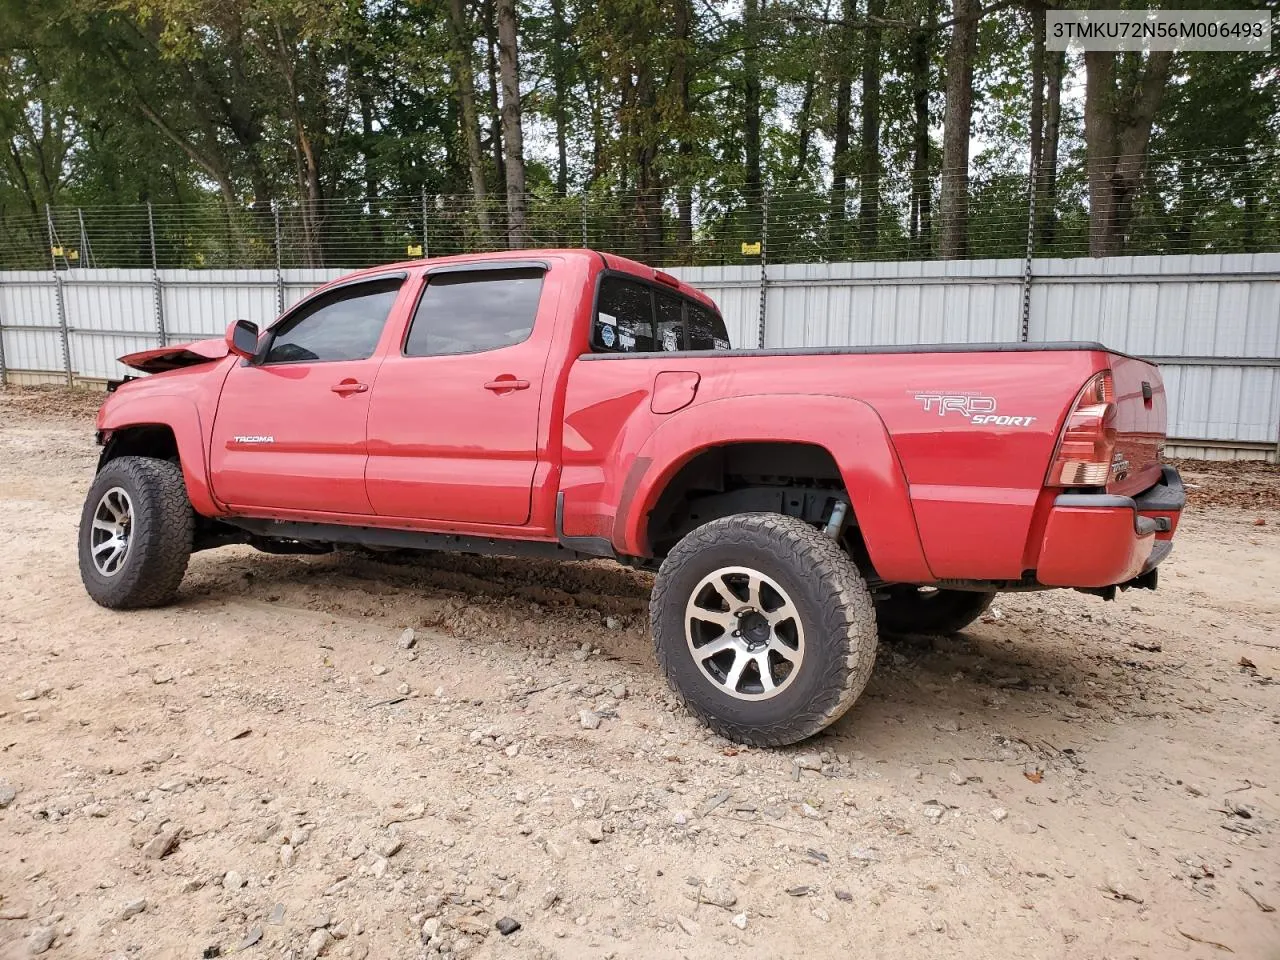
979, 410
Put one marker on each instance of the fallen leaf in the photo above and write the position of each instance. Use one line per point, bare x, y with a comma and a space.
1260, 522
1207, 943
1261, 904
1035, 776
1248, 664
242, 734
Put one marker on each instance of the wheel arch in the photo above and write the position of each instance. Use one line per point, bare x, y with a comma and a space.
164, 427
847, 432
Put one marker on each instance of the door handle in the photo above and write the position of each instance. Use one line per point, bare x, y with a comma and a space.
505, 384
349, 386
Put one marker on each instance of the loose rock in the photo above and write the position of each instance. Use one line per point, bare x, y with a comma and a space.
162, 844
40, 939
589, 719
507, 926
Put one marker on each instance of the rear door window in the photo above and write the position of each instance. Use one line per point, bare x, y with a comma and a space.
469, 312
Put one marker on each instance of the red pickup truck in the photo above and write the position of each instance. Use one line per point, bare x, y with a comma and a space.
573, 404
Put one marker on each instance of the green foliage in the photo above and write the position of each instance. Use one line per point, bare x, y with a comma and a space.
343, 115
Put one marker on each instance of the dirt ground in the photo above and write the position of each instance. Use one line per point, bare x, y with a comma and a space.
264, 768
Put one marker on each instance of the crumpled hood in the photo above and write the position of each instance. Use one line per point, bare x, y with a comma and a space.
177, 355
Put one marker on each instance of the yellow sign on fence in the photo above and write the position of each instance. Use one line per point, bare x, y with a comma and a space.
751, 249
414, 250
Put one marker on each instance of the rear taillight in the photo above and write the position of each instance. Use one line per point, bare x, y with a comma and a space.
1088, 440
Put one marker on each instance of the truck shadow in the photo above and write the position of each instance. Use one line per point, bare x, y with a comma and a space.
1033, 664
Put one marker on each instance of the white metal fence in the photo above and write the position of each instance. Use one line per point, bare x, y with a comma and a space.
1212, 322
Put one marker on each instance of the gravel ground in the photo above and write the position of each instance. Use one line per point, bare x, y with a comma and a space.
274, 767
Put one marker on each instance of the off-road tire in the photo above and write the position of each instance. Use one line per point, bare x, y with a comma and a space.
160, 536
907, 610
833, 604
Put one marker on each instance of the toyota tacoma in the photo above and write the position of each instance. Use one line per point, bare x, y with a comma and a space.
795, 503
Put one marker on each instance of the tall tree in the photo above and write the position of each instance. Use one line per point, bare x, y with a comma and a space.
512, 132
953, 235
1119, 109
1047, 201
1036, 138
753, 178
681, 78
464, 81
921, 208
841, 160
560, 54
869, 180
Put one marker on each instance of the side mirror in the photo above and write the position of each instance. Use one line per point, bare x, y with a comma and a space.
242, 339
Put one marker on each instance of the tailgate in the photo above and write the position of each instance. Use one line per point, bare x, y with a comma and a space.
1140, 425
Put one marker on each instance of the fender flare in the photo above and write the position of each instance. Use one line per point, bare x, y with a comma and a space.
850, 430
181, 416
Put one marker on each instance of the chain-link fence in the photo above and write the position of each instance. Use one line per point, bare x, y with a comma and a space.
1202, 202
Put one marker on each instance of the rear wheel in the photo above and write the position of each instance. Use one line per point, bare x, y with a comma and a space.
764, 627
910, 609
135, 533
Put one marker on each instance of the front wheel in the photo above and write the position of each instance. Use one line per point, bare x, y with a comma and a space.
135, 533
909, 609
764, 627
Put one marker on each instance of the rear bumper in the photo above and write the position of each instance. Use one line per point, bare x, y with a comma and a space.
1100, 540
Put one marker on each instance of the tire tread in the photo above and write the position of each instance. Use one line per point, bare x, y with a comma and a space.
846, 612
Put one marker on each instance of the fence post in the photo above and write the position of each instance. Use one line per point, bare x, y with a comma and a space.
582, 213
275, 215
426, 246
86, 249
1025, 330
157, 292
59, 296
4, 371
764, 264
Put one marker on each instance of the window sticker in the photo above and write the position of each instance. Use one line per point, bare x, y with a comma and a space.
720, 343
625, 340
606, 335
608, 318
669, 341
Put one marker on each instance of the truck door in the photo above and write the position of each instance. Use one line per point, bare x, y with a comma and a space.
289, 433
453, 423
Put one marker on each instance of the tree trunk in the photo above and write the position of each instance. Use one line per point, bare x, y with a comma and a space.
559, 83
681, 79
1048, 199
495, 107
921, 186
470, 121
840, 161
953, 238
512, 134
754, 177
804, 130
869, 181
1037, 110
1117, 131
644, 136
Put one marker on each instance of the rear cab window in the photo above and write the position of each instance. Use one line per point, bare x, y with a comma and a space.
633, 316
